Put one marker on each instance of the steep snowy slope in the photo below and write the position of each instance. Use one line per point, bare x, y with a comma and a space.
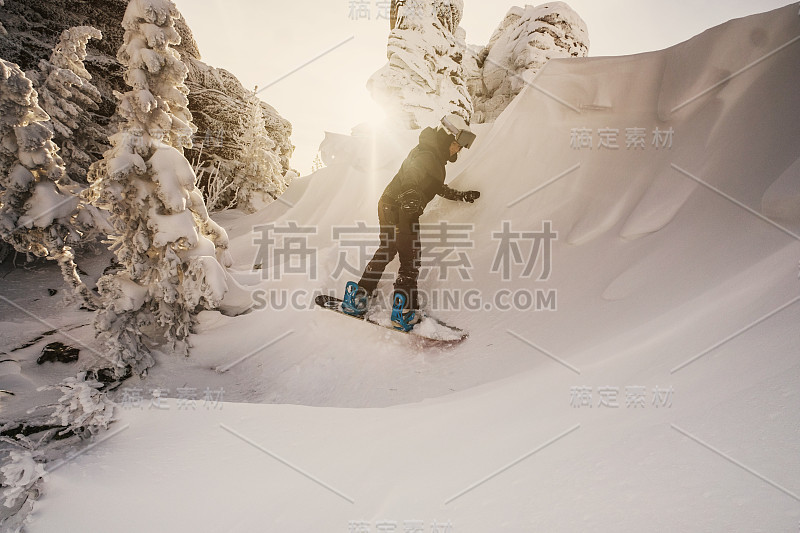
665, 380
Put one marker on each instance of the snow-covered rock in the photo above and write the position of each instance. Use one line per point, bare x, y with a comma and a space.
522, 44
423, 80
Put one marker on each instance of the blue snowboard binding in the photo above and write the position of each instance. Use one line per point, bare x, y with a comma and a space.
402, 318
355, 300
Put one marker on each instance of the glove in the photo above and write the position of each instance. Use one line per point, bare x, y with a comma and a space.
470, 196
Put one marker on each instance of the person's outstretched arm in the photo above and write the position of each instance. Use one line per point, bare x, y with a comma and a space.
458, 196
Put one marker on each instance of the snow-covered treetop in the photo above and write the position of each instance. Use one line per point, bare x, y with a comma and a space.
18, 100
157, 107
158, 12
70, 52
66, 93
26, 150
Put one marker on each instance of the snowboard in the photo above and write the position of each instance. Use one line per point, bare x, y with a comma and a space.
429, 328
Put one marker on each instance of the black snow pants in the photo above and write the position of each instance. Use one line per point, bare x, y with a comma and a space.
399, 235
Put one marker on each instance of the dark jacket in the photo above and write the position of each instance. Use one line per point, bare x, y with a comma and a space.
423, 171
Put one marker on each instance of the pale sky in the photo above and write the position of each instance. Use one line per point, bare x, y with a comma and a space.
261, 41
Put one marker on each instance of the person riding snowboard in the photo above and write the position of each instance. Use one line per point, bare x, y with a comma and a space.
419, 180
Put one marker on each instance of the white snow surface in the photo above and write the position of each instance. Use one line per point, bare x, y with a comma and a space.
667, 274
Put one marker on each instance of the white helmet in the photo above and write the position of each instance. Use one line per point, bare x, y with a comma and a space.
458, 127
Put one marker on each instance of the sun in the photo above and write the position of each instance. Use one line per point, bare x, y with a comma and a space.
367, 113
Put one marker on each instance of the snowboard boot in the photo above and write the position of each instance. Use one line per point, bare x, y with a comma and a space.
355, 300
403, 317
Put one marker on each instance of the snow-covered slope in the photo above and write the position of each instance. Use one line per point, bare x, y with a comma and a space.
671, 283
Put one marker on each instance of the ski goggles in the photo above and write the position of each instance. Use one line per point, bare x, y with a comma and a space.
464, 138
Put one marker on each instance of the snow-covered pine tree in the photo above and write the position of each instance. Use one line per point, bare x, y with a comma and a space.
38, 202
216, 185
424, 79
258, 172
172, 254
317, 164
66, 93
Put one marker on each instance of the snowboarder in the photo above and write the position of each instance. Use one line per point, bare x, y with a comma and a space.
419, 180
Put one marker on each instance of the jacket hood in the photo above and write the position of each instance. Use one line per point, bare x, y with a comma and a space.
437, 141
